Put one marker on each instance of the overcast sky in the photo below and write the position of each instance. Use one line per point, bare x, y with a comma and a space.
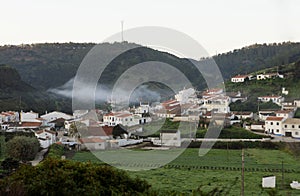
218, 25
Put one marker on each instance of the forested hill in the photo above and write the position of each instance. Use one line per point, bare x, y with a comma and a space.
16, 94
45, 65
256, 57
50, 65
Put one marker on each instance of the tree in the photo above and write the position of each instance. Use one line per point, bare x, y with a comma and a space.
63, 177
297, 70
22, 148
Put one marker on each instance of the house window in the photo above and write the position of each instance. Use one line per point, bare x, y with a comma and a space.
271, 123
277, 130
131, 119
299, 126
277, 123
296, 133
293, 126
285, 126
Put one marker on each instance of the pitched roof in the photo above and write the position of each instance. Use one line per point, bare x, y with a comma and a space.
274, 118
241, 113
282, 111
90, 140
241, 76
31, 124
292, 121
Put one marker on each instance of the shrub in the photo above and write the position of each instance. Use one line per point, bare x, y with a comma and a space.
22, 148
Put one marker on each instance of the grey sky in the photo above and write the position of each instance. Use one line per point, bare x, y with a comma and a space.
219, 25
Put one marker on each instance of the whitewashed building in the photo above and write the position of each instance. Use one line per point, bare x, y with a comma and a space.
46, 137
143, 108
275, 99
28, 116
273, 125
243, 115
239, 78
218, 104
183, 96
169, 138
285, 113
291, 127
124, 118
56, 115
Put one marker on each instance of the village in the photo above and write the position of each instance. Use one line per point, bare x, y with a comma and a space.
100, 130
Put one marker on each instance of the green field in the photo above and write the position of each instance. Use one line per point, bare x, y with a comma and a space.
219, 170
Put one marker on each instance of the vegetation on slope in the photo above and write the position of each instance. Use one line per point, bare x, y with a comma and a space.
58, 177
255, 88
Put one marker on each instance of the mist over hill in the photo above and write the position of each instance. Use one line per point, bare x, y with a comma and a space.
42, 74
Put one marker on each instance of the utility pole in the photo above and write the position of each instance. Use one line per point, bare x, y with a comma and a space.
122, 24
243, 171
227, 152
282, 176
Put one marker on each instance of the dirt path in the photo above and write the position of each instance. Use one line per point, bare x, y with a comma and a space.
39, 157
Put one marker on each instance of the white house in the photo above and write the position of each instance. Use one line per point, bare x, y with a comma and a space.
243, 115
218, 104
257, 126
268, 76
168, 109
56, 115
239, 78
28, 116
143, 108
124, 118
275, 99
46, 137
291, 127
212, 92
273, 125
170, 138
297, 103
183, 96
285, 113
284, 91
9, 116
93, 143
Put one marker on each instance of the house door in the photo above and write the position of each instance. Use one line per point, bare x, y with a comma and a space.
288, 134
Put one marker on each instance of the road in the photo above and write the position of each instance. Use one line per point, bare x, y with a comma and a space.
275, 139
39, 157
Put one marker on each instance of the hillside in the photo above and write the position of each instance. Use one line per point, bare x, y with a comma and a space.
257, 57
16, 94
253, 89
10, 80
48, 66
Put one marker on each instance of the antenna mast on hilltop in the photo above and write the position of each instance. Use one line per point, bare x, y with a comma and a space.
122, 24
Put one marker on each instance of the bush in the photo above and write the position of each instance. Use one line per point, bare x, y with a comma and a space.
56, 151
22, 148
63, 177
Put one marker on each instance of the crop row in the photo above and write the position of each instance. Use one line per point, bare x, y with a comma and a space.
274, 170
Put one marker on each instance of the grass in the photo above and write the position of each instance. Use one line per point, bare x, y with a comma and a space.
56, 151
232, 133
219, 169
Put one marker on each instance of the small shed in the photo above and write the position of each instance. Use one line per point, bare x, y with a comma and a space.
269, 182
170, 138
